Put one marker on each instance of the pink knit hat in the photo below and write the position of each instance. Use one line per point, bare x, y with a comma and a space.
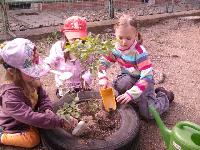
75, 27
18, 53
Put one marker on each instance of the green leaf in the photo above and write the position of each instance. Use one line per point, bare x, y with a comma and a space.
93, 46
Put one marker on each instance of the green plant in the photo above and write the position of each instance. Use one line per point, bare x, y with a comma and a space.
69, 109
94, 106
89, 50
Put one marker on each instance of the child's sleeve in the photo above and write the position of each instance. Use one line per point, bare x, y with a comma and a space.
105, 63
53, 55
44, 101
87, 77
15, 107
144, 65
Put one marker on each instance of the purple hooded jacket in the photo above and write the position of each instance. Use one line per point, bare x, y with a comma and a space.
16, 114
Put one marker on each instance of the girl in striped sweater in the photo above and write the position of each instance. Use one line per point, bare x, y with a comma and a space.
135, 83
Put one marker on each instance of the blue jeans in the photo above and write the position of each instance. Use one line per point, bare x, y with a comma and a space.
160, 101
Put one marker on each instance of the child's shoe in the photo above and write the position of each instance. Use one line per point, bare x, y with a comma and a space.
170, 94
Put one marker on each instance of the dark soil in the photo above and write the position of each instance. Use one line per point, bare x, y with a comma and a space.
99, 123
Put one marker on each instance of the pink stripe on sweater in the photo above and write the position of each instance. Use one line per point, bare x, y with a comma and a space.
146, 67
124, 63
138, 48
141, 87
144, 63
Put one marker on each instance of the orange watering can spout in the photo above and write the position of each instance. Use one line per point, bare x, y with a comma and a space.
108, 98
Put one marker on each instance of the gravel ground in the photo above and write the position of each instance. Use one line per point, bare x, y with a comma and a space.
173, 46
23, 19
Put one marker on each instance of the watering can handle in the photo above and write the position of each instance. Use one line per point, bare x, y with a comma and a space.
188, 124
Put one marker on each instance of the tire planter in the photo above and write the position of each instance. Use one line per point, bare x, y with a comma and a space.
125, 138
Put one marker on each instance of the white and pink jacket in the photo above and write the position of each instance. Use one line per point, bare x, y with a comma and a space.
56, 59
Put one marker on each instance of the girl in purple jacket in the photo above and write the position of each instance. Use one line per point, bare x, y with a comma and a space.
25, 105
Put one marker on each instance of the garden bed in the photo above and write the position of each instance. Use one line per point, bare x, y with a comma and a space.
114, 130
99, 124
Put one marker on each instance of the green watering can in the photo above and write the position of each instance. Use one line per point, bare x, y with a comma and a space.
184, 136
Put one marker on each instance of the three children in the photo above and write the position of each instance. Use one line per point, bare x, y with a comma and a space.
25, 106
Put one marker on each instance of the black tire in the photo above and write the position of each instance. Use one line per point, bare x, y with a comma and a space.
126, 138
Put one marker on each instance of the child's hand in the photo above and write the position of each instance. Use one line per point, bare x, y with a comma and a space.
103, 83
48, 67
85, 85
74, 122
87, 76
124, 98
86, 80
49, 111
71, 123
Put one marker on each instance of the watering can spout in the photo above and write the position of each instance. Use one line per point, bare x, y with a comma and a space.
165, 132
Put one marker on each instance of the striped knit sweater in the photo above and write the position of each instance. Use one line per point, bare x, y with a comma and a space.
133, 61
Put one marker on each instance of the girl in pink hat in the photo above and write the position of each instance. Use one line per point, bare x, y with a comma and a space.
25, 106
74, 28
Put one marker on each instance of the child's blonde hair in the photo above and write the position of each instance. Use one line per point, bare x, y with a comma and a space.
127, 20
16, 78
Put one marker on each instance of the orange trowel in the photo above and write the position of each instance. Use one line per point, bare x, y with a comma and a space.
108, 98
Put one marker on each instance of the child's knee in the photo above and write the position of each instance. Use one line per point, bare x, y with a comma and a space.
33, 141
28, 139
123, 83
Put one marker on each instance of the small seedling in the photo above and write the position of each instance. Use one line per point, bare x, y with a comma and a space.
69, 109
